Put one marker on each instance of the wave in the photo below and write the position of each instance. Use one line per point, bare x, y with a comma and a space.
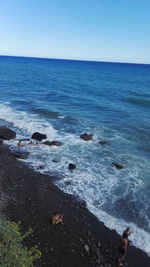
26, 123
138, 101
138, 93
46, 112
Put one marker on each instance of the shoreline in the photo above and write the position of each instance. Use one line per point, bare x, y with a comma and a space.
31, 197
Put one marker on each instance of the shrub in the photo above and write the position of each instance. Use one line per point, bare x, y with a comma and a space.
12, 251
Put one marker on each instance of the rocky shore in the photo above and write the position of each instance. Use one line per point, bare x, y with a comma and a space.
83, 241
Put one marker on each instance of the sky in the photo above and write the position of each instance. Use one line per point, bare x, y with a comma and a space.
99, 30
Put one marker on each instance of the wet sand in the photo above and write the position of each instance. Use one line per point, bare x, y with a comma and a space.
83, 241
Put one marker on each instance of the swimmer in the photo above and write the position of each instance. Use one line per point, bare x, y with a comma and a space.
20, 144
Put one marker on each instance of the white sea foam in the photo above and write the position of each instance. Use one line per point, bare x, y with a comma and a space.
94, 180
25, 122
139, 237
61, 117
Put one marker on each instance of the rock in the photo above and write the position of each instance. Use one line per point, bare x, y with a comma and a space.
20, 155
98, 261
86, 136
89, 233
108, 251
40, 167
117, 165
87, 248
38, 136
67, 183
99, 244
52, 143
103, 143
94, 250
71, 166
6, 133
56, 160
1, 141
82, 203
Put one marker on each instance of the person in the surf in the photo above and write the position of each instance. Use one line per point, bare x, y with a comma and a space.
123, 245
20, 144
57, 218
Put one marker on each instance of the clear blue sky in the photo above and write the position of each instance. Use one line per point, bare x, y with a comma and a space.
103, 30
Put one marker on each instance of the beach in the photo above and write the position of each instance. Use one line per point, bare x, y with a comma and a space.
32, 198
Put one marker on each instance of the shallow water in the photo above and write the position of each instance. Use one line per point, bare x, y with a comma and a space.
110, 100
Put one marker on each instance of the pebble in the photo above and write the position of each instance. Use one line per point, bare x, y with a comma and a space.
87, 248
99, 244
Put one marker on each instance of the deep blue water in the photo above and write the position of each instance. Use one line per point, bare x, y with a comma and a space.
65, 98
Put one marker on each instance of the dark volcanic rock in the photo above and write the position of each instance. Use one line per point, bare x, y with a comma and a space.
40, 167
38, 136
52, 143
117, 165
71, 166
86, 136
24, 139
6, 133
20, 155
103, 143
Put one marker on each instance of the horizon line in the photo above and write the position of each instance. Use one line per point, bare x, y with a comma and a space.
72, 59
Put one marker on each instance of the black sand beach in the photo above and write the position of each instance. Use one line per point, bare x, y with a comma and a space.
82, 241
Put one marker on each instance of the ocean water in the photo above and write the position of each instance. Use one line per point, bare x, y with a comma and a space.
63, 99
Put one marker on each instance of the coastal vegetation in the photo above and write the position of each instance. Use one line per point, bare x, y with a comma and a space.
12, 250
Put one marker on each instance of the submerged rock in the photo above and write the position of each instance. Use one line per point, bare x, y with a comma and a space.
71, 166
86, 136
20, 155
103, 143
38, 136
6, 133
117, 165
56, 160
40, 167
52, 143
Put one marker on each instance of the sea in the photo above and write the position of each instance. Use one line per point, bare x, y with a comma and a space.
66, 98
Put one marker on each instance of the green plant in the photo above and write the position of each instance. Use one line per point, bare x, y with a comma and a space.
12, 251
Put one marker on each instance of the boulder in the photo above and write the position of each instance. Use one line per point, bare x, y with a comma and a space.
71, 166
6, 133
40, 167
38, 136
20, 155
103, 143
52, 143
117, 165
86, 136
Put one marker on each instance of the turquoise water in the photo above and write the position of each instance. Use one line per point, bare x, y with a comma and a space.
110, 100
